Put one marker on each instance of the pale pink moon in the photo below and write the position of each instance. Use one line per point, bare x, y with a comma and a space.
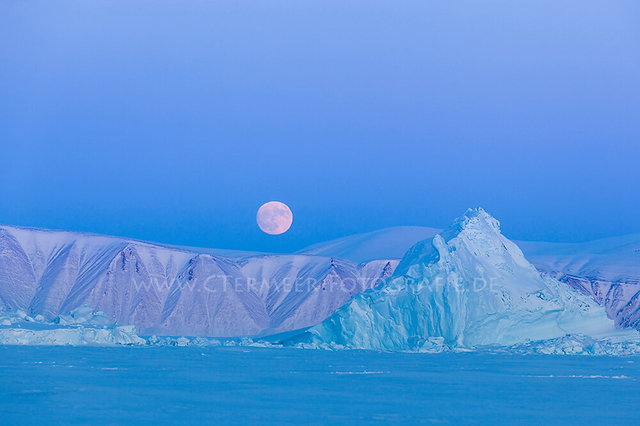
274, 218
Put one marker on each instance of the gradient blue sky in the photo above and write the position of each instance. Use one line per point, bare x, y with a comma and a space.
174, 120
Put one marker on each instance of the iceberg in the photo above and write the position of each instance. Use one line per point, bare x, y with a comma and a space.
468, 287
82, 326
607, 269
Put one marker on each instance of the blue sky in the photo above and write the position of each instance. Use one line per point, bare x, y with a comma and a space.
173, 121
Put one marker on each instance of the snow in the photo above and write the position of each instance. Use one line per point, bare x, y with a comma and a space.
607, 270
470, 287
615, 259
172, 291
168, 290
388, 243
580, 345
82, 326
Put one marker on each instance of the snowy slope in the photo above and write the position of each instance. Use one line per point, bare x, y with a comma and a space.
174, 290
606, 269
614, 259
468, 287
388, 243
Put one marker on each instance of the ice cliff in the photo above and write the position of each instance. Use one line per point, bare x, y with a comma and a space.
82, 326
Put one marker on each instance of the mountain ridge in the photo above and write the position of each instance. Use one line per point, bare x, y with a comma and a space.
170, 291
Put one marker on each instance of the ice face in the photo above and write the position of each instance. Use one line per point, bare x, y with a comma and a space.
470, 287
607, 269
82, 326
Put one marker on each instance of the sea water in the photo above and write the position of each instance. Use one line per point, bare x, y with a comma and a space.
112, 385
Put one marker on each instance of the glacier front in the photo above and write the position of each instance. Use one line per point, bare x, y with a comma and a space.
82, 326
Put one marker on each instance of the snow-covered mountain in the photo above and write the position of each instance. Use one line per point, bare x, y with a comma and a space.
607, 269
388, 243
467, 287
169, 290
175, 290
615, 259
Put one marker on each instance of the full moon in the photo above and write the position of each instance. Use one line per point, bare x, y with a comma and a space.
274, 217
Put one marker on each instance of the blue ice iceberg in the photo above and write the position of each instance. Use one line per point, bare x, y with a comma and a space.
468, 287
82, 326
